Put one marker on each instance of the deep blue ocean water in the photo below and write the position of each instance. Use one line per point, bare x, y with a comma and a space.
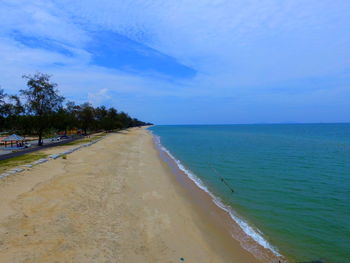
290, 181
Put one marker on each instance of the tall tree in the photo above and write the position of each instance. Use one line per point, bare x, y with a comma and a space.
114, 119
86, 116
72, 111
101, 117
2, 97
14, 110
2, 108
42, 100
125, 120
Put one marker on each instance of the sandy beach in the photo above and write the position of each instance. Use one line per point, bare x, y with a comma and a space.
115, 201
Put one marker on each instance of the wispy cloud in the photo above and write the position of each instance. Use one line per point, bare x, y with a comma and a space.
101, 97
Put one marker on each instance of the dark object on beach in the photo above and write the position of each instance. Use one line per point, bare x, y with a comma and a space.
182, 259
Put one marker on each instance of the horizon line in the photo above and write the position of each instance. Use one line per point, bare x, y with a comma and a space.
258, 123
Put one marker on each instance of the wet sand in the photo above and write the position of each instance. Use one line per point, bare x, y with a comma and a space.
115, 201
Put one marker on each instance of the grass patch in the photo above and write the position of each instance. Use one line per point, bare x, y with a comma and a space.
100, 135
79, 141
83, 140
8, 164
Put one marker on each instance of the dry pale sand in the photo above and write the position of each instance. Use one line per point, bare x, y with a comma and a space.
115, 201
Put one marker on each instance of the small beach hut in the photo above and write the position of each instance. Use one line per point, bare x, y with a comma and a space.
13, 138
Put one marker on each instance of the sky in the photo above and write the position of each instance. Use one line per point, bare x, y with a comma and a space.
186, 61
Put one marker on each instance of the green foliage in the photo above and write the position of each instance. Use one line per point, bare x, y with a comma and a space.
42, 112
42, 100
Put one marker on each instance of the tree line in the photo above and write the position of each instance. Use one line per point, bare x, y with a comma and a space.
40, 109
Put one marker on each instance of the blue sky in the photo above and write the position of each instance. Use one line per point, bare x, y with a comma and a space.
185, 61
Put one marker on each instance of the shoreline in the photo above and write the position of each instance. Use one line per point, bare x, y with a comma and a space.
220, 214
115, 201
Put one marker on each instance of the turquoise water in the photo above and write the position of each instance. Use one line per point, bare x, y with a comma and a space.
290, 181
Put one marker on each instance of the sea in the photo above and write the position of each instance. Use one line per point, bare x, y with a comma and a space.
287, 185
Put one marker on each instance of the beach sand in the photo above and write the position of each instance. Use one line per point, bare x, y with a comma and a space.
115, 201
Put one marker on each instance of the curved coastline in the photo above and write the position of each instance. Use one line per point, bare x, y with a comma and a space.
250, 239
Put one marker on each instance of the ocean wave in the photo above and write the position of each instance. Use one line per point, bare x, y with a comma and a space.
255, 234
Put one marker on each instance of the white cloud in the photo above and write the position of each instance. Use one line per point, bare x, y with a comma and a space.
41, 19
100, 97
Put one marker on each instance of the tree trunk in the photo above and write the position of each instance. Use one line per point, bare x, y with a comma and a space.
40, 140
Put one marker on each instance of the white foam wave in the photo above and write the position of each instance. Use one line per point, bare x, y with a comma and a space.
247, 229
